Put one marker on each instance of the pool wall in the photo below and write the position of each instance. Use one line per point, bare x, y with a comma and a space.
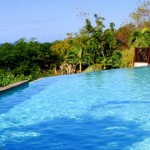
13, 86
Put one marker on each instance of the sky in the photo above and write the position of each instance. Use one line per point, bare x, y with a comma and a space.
50, 20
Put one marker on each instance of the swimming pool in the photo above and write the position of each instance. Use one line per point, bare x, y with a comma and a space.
106, 110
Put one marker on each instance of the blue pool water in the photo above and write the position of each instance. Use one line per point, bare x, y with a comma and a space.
106, 110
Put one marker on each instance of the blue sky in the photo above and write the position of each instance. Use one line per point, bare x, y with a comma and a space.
50, 20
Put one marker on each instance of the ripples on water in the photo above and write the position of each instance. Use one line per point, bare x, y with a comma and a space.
107, 110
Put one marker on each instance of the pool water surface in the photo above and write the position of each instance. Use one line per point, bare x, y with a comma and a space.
105, 110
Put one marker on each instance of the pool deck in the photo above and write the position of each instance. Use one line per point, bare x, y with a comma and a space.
11, 86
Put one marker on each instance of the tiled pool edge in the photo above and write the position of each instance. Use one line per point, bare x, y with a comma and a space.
14, 85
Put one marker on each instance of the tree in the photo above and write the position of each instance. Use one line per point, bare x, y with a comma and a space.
141, 16
123, 35
109, 40
140, 38
60, 49
7, 56
96, 34
80, 47
115, 61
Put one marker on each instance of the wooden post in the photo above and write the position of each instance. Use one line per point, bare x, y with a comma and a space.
135, 53
149, 56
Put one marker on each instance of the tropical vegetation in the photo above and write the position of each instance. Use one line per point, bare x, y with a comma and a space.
94, 47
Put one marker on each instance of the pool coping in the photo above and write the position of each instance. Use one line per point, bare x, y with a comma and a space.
11, 86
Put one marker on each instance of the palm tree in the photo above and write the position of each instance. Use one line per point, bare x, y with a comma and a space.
75, 57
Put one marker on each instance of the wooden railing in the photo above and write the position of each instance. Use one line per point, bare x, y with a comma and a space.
142, 55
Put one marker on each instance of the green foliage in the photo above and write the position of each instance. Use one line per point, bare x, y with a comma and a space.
140, 38
9, 78
95, 67
127, 57
115, 60
109, 63
27, 58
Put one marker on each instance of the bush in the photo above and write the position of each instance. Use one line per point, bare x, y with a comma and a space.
9, 78
127, 57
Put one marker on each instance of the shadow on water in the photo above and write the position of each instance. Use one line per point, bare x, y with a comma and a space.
7, 98
118, 104
19, 94
108, 133
13, 89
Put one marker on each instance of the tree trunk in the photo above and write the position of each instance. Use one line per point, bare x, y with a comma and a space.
80, 66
